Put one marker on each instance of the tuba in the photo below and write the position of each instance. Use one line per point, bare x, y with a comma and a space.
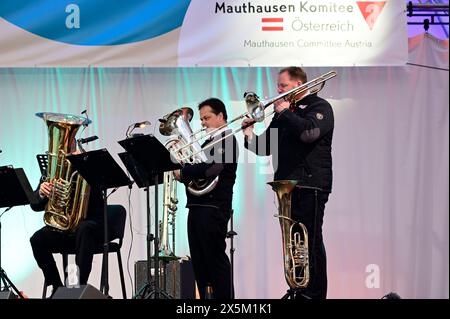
184, 148
294, 237
68, 201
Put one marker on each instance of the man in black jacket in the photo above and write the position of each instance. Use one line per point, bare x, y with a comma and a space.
302, 151
209, 213
87, 236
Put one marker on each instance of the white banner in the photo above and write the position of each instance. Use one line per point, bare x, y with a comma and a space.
153, 33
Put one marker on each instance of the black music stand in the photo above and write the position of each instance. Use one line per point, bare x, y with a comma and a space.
142, 180
15, 190
152, 159
139, 175
101, 171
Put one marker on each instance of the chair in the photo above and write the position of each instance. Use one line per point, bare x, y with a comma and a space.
116, 228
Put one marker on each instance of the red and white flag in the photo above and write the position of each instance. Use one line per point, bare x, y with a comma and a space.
272, 24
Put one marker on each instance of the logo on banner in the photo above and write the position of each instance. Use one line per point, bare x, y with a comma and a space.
94, 23
272, 24
371, 11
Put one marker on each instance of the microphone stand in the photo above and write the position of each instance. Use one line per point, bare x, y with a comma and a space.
231, 235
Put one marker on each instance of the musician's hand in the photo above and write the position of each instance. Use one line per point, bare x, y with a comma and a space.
280, 105
177, 174
45, 189
248, 132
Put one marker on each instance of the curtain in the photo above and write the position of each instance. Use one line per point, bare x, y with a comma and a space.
386, 224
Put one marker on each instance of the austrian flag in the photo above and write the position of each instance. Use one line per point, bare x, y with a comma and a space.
272, 24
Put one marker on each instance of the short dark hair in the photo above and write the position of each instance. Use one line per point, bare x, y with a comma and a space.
295, 73
216, 105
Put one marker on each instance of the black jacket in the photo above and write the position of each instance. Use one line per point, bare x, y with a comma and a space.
95, 205
222, 162
303, 145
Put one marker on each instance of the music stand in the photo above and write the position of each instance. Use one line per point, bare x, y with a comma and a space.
139, 175
152, 158
15, 190
142, 180
101, 171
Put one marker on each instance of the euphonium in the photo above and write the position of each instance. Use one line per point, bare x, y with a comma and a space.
294, 237
184, 148
68, 201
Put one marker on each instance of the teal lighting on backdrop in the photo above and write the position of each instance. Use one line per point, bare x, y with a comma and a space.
114, 98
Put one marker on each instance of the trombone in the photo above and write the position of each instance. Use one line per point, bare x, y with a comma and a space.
256, 108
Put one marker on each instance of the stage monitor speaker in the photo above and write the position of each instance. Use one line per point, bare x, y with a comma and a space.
180, 281
7, 295
83, 292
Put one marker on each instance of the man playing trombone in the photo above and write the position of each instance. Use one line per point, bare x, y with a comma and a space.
210, 212
304, 124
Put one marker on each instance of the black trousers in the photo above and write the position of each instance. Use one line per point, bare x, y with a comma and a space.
83, 241
207, 229
308, 206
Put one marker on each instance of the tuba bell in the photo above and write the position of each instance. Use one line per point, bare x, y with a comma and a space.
294, 237
68, 201
184, 148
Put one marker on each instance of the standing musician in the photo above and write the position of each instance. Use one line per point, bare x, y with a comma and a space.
209, 213
304, 132
85, 237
